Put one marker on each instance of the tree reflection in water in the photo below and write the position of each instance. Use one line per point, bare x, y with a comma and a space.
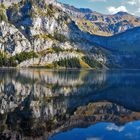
38, 103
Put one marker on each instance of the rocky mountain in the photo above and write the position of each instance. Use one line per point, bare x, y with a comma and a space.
9, 2
125, 47
125, 42
42, 33
45, 33
100, 24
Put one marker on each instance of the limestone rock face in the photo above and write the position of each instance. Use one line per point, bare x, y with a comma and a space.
50, 1
12, 40
49, 59
39, 26
8, 3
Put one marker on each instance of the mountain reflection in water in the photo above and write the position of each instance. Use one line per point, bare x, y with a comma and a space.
41, 104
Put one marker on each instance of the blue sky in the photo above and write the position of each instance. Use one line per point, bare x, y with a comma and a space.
107, 6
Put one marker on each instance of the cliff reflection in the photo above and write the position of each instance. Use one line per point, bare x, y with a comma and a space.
39, 103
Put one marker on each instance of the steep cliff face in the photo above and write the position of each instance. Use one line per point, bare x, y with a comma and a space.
125, 48
12, 40
128, 41
44, 28
45, 33
7, 3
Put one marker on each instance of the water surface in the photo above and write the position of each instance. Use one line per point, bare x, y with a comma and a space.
69, 105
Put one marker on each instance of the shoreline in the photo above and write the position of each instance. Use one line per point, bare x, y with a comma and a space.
66, 69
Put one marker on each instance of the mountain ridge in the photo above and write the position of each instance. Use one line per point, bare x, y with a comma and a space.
50, 33
40, 34
102, 24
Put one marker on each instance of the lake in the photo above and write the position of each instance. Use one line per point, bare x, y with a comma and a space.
39, 104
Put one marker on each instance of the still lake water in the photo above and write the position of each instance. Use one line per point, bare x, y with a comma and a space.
39, 104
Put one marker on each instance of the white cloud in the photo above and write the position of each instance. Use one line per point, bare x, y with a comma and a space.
94, 138
114, 127
114, 10
138, 11
133, 2
129, 135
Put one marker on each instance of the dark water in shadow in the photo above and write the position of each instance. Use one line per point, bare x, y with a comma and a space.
69, 105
